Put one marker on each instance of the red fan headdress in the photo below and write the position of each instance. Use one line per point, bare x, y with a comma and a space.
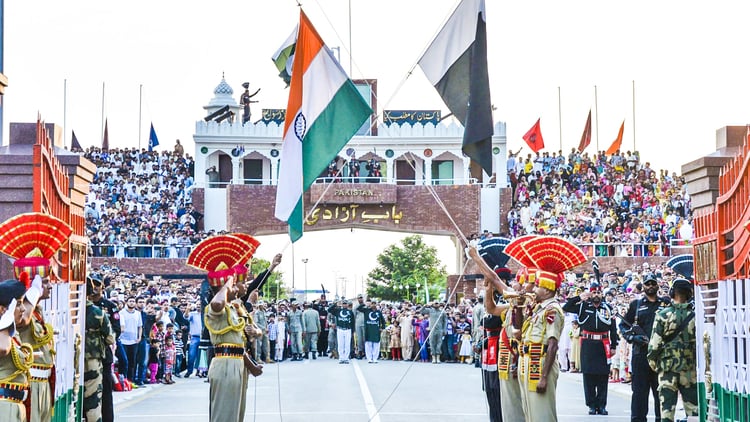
240, 269
547, 258
32, 239
218, 255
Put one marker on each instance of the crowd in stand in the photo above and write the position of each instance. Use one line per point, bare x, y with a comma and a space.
610, 205
140, 203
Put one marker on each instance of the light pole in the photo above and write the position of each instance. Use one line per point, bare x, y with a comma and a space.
304, 261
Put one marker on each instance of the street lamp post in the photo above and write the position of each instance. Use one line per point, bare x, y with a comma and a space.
304, 261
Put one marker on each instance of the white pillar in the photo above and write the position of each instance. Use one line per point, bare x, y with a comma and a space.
390, 164
237, 171
427, 171
467, 170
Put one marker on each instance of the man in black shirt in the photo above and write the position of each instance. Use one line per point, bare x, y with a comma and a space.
641, 312
598, 343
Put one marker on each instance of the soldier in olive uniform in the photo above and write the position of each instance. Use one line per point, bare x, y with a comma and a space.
99, 336
671, 352
112, 311
294, 324
311, 330
437, 329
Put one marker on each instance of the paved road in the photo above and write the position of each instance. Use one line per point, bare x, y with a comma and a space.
323, 390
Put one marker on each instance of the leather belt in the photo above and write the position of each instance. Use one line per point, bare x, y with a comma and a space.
228, 351
12, 394
591, 335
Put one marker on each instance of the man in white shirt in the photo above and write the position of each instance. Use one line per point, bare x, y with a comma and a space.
131, 324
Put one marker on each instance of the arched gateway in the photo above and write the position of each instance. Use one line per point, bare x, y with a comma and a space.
405, 173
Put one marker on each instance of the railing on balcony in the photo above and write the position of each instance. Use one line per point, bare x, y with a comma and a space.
592, 250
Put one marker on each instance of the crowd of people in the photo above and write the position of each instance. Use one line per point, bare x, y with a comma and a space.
610, 205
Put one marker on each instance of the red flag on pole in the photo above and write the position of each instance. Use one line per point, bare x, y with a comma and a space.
586, 137
618, 142
534, 137
105, 140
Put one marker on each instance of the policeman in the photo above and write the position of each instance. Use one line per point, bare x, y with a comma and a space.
641, 313
99, 337
320, 306
311, 330
671, 352
598, 343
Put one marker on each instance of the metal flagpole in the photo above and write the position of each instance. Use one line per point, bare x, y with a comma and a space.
634, 115
140, 109
351, 57
65, 113
596, 107
559, 115
102, 131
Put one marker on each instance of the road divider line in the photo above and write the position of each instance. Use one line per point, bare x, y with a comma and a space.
365, 390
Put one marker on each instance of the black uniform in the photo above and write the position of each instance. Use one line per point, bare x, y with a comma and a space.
598, 343
111, 310
643, 378
492, 326
323, 336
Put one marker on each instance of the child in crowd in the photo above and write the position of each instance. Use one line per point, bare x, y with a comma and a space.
180, 352
153, 359
395, 340
272, 335
575, 347
465, 352
169, 359
280, 338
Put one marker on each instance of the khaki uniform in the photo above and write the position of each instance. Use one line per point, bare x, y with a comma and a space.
674, 361
546, 321
13, 381
41, 338
227, 373
99, 336
510, 388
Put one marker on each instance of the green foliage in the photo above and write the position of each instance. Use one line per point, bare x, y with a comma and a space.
401, 267
274, 287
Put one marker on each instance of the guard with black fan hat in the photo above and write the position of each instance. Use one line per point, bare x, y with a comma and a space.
15, 357
671, 349
598, 342
499, 347
636, 328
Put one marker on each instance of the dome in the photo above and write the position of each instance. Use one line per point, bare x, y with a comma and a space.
222, 96
223, 88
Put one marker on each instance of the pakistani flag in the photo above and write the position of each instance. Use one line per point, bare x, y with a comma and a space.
323, 113
284, 57
456, 65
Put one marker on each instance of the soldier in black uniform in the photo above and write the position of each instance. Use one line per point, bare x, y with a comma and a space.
321, 306
641, 313
111, 310
598, 344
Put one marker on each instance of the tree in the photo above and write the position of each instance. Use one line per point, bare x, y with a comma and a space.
273, 289
401, 268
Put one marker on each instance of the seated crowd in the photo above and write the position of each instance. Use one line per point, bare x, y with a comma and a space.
611, 206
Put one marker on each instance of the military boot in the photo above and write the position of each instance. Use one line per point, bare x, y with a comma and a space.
307, 355
313, 354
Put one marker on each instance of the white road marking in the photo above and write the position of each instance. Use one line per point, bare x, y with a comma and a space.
369, 402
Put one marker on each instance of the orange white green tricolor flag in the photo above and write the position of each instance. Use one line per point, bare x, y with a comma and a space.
323, 113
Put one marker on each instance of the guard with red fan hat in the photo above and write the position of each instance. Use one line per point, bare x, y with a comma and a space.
598, 343
546, 259
227, 373
32, 240
15, 357
499, 345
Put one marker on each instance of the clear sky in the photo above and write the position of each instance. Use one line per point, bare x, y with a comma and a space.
688, 59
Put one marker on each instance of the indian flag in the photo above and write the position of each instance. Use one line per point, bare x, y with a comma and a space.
323, 113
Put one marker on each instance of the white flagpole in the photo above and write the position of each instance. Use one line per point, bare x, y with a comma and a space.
140, 108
